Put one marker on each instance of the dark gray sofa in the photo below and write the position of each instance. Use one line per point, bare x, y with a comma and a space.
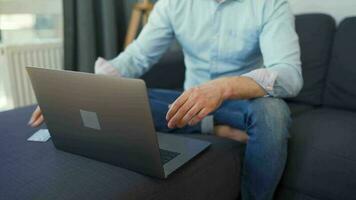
322, 149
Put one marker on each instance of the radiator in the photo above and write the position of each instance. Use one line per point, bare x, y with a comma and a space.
14, 59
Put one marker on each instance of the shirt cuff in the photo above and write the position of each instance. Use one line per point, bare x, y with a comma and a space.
265, 78
102, 66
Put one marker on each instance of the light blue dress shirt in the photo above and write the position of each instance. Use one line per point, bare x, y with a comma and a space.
253, 38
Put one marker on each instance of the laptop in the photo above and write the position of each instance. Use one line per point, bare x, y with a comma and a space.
108, 119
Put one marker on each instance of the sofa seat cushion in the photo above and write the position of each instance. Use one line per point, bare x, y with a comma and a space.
322, 155
32, 170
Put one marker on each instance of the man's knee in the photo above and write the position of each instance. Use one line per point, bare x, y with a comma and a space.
270, 114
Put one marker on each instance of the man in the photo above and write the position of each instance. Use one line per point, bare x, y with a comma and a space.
241, 57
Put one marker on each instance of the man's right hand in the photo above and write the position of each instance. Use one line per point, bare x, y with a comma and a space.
36, 118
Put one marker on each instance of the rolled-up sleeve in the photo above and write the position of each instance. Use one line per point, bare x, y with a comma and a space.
282, 75
154, 39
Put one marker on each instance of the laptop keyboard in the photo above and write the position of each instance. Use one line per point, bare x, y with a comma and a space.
166, 155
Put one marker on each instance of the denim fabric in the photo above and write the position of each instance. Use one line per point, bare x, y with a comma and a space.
266, 121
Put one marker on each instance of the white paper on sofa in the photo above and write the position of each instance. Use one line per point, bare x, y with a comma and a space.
41, 135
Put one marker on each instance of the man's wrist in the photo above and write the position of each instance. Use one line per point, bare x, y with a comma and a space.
226, 87
239, 87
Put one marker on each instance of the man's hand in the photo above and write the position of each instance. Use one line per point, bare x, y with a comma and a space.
196, 103
36, 118
102, 66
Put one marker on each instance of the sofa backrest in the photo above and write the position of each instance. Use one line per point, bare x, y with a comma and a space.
340, 88
168, 73
316, 33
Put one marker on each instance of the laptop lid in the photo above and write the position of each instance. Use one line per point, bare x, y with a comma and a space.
101, 117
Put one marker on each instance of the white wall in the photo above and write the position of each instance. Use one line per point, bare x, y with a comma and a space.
31, 6
339, 9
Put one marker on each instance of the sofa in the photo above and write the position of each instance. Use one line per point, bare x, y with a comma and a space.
322, 147
322, 155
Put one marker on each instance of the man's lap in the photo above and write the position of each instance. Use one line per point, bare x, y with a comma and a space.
163, 95
233, 113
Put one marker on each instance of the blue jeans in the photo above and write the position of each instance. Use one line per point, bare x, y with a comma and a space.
266, 121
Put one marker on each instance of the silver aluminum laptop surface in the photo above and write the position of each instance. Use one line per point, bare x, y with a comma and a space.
108, 119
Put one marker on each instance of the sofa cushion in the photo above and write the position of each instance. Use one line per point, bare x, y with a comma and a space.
316, 32
31, 170
322, 155
341, 80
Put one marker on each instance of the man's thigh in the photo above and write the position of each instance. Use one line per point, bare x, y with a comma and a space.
159, 100
231, 113
241, 113
163, 95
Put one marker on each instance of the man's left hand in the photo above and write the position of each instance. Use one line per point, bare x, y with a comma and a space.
196, 103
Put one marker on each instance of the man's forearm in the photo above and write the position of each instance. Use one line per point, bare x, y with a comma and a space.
241, 88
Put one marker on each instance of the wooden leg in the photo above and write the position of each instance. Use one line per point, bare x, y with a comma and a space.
145, 18
141, 10
133, 27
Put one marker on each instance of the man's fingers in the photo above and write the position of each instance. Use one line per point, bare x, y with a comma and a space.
176, 105
37, 122
190, 115
37, 113
174, 121
197, 118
